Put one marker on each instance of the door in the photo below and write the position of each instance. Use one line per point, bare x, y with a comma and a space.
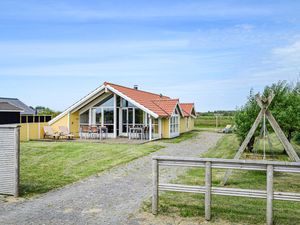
127, 121
124, 122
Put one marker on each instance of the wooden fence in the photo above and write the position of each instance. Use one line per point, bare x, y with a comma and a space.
9, 159
32, 127
269, 166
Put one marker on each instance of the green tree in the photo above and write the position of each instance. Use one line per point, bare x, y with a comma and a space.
285, 107
45, 111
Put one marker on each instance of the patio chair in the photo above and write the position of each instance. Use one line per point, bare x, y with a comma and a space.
146, 132
94, 132
48, 132
64, 131
85, 131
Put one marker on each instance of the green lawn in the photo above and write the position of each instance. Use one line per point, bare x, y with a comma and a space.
234, 209
210, 121
49, 165
182, 137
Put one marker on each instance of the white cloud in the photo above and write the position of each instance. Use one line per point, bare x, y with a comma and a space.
288, 55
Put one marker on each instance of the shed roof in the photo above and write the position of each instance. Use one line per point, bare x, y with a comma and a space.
26, 110
7, 107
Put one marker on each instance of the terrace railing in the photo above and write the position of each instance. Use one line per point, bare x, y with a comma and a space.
257, 165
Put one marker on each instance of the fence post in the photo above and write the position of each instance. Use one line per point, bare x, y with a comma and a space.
155, 174
270, 194
208, 191
17, 160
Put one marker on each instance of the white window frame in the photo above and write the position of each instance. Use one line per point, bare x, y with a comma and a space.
174, 124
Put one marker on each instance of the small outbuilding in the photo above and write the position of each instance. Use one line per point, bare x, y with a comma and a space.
9, 113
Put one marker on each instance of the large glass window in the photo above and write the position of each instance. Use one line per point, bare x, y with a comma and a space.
108, 116
139, 116
108, 119
84, 117
102, 114
155, 129
174, 124
108, 102
126, 103
98, 115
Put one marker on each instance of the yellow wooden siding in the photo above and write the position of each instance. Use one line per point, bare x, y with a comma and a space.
74, 123
191, 123
32, 131
183, 124
64, 121
184, 127
165, 125
61, 122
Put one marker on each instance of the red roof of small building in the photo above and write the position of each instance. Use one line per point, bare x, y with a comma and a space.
187, 108
163, 106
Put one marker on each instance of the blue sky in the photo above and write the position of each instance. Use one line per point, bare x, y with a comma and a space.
212, 53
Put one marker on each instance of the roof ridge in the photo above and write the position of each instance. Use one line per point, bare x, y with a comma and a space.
108, 83
171, 99
9, 98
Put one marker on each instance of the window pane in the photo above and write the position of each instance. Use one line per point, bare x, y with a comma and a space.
124, 103
138, 116
108, 116
108, 102
130, 115
98, 116
84, 117
118, 101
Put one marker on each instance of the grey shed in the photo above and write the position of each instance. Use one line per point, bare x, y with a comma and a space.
26, 110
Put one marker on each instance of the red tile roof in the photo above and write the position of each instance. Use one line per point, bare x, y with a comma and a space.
161, 105
187, 108
168, 105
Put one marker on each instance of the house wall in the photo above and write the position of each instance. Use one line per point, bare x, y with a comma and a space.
61, 122
192, 123
64, 121
183, 124
183, 121
165, 125
74, 123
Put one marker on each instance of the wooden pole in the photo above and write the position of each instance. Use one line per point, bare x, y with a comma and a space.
150, 128
281, 136
270, 194
208, 191
245, 142
155, 174
17, 160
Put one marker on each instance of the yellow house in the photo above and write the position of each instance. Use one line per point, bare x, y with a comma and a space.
121, 109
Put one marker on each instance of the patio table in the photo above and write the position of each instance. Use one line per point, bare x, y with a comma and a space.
135, 130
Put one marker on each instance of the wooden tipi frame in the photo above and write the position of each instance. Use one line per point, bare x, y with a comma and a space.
264, 104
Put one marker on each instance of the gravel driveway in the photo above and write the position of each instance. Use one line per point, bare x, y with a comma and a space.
109, 198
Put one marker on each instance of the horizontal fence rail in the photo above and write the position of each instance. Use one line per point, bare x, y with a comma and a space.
208, 163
